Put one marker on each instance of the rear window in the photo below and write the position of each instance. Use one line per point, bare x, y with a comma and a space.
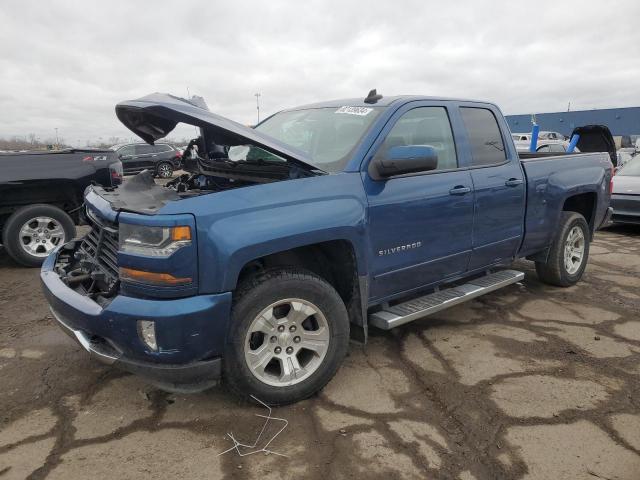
485, 139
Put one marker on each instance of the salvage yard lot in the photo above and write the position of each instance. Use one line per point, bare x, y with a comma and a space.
528, 382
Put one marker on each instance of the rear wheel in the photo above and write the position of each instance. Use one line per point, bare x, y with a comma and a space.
569, 252
34, 231
164, 170
288, 336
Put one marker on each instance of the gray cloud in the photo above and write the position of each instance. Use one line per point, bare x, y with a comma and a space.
66, 64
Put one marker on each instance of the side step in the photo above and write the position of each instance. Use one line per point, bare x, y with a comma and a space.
406, 312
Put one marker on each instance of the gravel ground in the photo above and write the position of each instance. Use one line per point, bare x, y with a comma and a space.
528, 382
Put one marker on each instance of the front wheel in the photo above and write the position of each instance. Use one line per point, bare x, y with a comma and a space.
34, 231
289, 333
569, 252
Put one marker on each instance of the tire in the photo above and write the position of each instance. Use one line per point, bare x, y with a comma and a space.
555, 271
287, 289
20, 227
164, 170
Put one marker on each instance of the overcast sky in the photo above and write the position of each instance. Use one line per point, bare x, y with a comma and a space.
66, 64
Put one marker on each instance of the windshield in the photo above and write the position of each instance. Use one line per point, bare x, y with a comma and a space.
327, 135
631, 168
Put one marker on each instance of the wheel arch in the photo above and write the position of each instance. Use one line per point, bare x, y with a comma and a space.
336, 261
585, 204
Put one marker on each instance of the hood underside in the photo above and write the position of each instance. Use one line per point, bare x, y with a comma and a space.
156, 115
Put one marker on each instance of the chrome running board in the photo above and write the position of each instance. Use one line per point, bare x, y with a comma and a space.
391, 317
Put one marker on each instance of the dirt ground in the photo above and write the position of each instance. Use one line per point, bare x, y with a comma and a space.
528, 382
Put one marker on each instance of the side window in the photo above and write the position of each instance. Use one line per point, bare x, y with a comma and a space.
161, 148
425, 126
143, 149
125, 151
485, 140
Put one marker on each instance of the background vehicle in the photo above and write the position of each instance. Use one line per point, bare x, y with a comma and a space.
625, 199
41, 194
544, 146
285, 240
521, 137
162, 159
544, 135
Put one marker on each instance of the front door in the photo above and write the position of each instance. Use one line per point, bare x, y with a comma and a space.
126, 155
420, 224
498, 182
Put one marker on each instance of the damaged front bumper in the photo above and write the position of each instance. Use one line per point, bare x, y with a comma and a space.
189, 331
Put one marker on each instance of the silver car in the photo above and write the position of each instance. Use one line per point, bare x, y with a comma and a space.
625, 198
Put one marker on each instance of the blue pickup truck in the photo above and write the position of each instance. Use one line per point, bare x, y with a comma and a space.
283, 241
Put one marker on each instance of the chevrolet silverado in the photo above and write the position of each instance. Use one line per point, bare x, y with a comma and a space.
283, 241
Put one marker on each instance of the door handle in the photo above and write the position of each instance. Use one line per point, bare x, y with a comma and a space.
513, 182
459, 190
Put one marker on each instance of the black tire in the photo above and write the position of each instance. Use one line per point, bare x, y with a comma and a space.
261, 291
11, 231
164, 170
554, 271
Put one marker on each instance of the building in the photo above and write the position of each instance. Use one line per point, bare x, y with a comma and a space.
621, 121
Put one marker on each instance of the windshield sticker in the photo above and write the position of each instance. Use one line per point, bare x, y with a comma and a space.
362, 111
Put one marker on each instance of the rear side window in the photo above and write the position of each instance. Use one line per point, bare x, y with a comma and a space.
485, 140
162, 147
143, 149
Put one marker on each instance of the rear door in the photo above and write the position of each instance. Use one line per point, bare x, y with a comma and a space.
164, 152
498, 182
420, 224
145, 156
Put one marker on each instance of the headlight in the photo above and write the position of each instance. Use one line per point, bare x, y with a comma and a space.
153, 241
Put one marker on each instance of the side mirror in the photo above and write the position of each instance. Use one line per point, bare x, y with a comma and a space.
404, 159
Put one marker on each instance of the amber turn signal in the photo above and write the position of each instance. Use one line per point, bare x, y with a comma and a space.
180, 233
152, 277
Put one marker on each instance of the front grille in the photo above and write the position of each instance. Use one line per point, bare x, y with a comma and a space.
100, 248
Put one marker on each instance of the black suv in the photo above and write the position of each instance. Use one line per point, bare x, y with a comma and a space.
162, 159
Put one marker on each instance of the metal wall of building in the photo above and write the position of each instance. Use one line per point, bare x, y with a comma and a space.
621, 121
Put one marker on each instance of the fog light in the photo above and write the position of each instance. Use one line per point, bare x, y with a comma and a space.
147, 332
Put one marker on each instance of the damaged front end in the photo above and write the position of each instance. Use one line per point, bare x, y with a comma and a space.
226, 155
90, 266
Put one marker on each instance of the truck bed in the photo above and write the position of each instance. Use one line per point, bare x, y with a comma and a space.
550, 180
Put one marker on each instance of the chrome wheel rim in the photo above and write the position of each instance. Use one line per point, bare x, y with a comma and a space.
287, 342
164, 170
40, 235
574, 250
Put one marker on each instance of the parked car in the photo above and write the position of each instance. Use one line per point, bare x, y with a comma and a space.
543, 146
624, 158
544, 135
625, 198
284, 241
521, 137
41, 194
161, 158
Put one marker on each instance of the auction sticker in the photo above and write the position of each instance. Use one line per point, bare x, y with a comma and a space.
355, 110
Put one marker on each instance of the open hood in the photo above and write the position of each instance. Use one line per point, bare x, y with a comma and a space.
596, 138
156, 115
